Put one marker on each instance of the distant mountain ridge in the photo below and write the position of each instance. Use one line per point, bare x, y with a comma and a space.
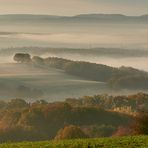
81, 17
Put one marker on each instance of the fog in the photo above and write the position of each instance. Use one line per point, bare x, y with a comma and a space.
32, 82
77, 40
124, 36
52, 84
136, 61
89, 35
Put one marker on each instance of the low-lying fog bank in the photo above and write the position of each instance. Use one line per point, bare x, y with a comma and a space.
29, 82
109, 56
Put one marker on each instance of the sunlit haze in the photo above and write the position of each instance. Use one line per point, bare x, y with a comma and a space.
73, 7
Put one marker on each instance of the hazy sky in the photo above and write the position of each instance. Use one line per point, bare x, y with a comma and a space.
72, 7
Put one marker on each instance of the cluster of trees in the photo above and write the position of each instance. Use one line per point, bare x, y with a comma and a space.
140, 127
22, 57
91, 71
22, 121
116, 78
73, 118
70, 132
135, 102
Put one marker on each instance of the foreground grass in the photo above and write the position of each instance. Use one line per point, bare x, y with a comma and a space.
125, 142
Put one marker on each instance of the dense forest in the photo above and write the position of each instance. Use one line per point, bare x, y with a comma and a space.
97, 116
41, 120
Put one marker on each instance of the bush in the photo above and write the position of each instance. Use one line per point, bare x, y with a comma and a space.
140, 126
70, 132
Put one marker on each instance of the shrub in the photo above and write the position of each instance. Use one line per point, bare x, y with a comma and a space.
70, 132
140, 126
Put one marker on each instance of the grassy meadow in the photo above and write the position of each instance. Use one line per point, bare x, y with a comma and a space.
124, 142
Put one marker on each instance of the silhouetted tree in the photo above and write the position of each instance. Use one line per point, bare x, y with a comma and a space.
38, 60
22, 57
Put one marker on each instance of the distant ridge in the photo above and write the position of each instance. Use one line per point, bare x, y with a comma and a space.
101, 15
81, 17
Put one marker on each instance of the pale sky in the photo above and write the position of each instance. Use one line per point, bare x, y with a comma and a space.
73, 7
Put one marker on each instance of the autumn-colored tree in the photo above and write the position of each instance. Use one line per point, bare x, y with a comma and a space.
140, 126
17, 103
70, 132
122, 131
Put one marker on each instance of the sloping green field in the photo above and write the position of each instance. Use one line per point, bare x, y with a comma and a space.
125, 142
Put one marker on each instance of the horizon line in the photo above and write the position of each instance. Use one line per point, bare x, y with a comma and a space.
35, 14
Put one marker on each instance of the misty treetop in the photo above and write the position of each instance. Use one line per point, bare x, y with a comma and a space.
22, 57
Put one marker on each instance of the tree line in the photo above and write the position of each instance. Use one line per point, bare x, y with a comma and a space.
77, 118
116, 78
